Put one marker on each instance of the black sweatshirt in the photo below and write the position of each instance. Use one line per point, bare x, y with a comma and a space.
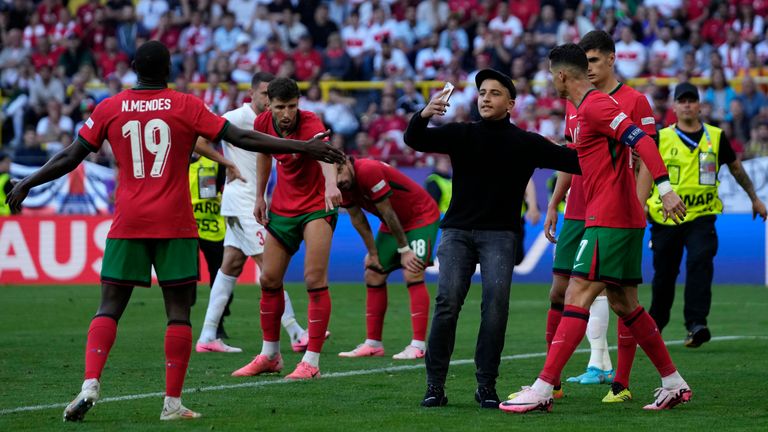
492, 163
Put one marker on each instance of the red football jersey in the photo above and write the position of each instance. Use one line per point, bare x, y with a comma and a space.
375, 181
152, 133
609, 182
631, 102
300, 185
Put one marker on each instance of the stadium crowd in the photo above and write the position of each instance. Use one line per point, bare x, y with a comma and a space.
59, 59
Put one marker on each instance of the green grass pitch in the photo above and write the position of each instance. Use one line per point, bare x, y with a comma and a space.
42, 338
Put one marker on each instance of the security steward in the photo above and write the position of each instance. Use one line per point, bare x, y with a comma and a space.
206, 182
5, 183
693, 152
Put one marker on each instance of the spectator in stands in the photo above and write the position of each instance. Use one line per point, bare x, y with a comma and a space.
12, 56
19, 13
225, 37
321, 26
244, 60
46, 87
411, 30
751, 97
111, 56
749, 25
150, 11
572, 27
454, 37
125, 74
64, 27
307, 59
262, 27
287, 69
433, 12
95, 36
700, 49
630, 55
367, 9
48, 11
128, 30
339, 114
50, 127
411, 100
666, 50
30, 154
431, 59
213, 93
336, 62
339, 11
33, 32
734, 52
545, 27
290, 29
738, 121
508, 25
358, 44
272, 57
761, 49
75, 56
758, 145
719, 95
388, 122
313, 101
44, 54
381, 27
391, 63
196, 40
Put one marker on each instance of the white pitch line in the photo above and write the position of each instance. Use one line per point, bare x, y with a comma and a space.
358, 372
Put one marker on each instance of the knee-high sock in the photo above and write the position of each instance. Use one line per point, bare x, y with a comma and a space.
569, 333
625, 355
419, 309
178, 346
554, 316
101, 337
597, 329
647, 335
270, 310
222, 288
289, 320
375, 309
318, 313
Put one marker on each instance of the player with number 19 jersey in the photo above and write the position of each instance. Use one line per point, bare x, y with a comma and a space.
152, 133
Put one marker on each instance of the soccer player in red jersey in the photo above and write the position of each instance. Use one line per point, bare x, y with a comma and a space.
609, 253
409, 223
152, 130
304, 208
600, 50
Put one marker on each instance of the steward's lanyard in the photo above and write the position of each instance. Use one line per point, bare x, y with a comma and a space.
689, 142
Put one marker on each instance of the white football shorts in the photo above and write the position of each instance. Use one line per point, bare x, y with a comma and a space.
246, 234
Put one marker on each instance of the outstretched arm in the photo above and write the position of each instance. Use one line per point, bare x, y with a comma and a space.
204, 148
60, 164
420, 137
254, 141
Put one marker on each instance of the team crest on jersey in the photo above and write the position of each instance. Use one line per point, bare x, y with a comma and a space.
575, 132
89, 123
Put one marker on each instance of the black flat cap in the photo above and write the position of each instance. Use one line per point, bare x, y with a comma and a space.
686, 89
493, 74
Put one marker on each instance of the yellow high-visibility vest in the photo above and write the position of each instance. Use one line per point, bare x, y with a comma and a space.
446, 190
692, 173
206, 200
5, 209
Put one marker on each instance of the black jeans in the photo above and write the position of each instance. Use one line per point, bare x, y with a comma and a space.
459, 253
214, 255
699, 238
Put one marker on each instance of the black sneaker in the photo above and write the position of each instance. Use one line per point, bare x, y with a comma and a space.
697, 336
487, 397
435, 397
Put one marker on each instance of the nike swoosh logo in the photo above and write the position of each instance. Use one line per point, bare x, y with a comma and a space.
417, 314
556, 342
264, 312
626, 337
571, 117
579, 264
315, 321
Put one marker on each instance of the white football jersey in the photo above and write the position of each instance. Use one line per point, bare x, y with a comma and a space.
239, 198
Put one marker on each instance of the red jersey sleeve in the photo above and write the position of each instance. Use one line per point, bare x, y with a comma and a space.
207, 124
94, 131
373, 183
644, 116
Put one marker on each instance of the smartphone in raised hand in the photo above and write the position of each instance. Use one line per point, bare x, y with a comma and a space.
449, 87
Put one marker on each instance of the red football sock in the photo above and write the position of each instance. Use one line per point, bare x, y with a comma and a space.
178, 346
626, 354
318, 313
419, 309
375, 308
554, 316
569, 333
271, 310
647, 335
101, 337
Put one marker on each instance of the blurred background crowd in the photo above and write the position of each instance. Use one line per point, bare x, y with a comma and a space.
60, 58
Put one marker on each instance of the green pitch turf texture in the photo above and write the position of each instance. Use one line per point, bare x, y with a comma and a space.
42, 338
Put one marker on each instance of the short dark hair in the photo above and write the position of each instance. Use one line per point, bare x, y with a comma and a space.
569, 55
598, 40
283, 89
152, 60
260, 77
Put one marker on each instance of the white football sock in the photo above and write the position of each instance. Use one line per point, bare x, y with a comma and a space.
672, 380
597, 329
374, 343
220, 292
289, 320
419, 344
270, 349
312, 358
542, 387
